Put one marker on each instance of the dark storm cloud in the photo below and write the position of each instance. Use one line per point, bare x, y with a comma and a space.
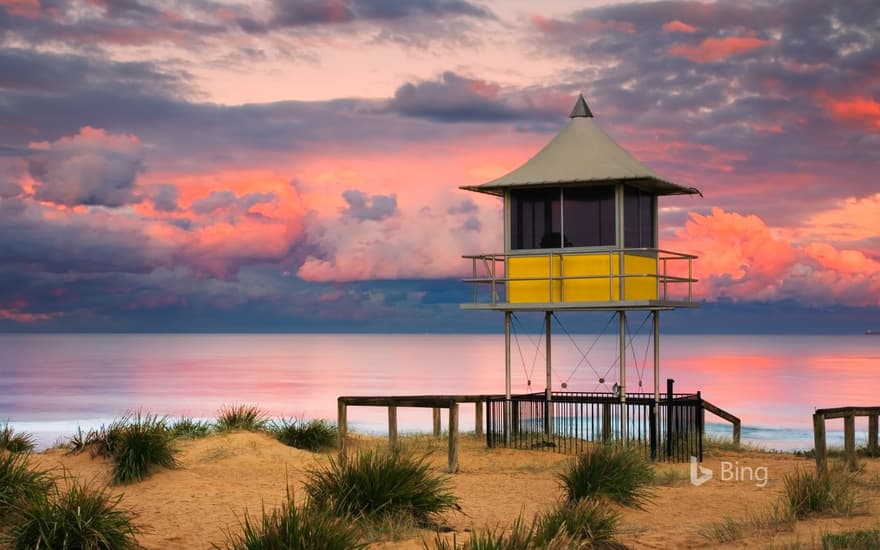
362, 206
294, 13
756, 84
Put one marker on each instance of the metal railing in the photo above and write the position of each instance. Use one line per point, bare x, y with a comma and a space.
486, 274
571, 421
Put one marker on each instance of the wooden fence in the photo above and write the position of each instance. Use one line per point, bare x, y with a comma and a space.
848, 414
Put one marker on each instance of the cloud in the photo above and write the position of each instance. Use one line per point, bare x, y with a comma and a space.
716, 49
744, 259
9, 189
363, 207
90, 168
164, 197
679, 26
294, 13
455, 98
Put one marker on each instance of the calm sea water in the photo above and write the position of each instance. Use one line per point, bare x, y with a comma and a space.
52, 384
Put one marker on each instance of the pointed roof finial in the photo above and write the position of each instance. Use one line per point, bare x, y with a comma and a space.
581, 109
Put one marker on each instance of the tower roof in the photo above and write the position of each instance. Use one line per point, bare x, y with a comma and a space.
583, 154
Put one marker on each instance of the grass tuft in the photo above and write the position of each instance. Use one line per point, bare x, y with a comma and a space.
835, 492
774, 519
314, 435
591, 522
619, 474
859, 539
135, 444
15, 442
189, 428
82, 517
19, 483
374, 486
293, 528
242, 417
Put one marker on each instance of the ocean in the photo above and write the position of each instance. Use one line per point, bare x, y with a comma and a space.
52, 384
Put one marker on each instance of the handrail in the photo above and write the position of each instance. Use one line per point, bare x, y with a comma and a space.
724, 415
848, 414
661, 275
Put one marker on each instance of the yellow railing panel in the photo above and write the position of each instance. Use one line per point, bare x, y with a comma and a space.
640, 287
533, 291
605, 288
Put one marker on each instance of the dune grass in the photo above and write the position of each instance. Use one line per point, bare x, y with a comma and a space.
11, 441
314, 435
588, 523
135, 444
189, 428
856, 539
835, 492
19, 483
295, 528
373, 486
249, 418
773, 519
80, 517
617, 473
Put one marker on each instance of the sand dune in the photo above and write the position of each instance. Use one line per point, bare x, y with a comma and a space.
197, 504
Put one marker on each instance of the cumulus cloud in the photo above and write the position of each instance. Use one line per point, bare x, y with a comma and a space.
744, 259
421, 243
164, 197
91, 168
364, 207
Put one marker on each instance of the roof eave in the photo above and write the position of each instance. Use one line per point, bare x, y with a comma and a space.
664, 187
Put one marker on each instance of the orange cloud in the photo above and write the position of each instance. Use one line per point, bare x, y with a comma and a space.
678, 26
715, 49
9, 314
742, 258
858, 109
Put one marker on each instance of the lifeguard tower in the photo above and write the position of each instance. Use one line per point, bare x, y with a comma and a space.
581, 234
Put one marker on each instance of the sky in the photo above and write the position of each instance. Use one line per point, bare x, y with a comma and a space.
294, 165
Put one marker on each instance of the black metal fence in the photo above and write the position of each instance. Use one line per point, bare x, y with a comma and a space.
571, 421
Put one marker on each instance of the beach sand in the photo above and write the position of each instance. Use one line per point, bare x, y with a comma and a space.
196, 505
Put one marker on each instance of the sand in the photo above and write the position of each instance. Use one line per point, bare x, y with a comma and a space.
196, 505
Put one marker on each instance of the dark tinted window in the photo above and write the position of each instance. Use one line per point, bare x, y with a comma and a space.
589, 216
638, 218
535, 220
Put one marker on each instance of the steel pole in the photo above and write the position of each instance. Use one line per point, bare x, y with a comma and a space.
623, 412
656, 323
507, 405
548, 392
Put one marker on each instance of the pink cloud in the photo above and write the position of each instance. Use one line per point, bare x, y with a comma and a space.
716, 49
863, 110
22, 8
742, 258
678, 26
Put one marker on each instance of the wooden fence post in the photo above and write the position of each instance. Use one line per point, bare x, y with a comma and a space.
453, 437
478, 419
436, 418
392, 427
341, 430
819, 443
849, 441
872, 435
737, 432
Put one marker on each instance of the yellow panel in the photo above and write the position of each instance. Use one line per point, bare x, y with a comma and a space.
604, 288
640, 287
532, 267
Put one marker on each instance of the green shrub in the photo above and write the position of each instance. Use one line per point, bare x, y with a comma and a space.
619, 474
315, 435
292, 528
373, 485
82, 517
242, 417
588, 521
520, 537
861, 539
189, 428
835, 492
15, 442
19, 483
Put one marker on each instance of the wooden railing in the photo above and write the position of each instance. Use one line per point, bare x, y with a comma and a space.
721, 413
436, 402
848, 414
